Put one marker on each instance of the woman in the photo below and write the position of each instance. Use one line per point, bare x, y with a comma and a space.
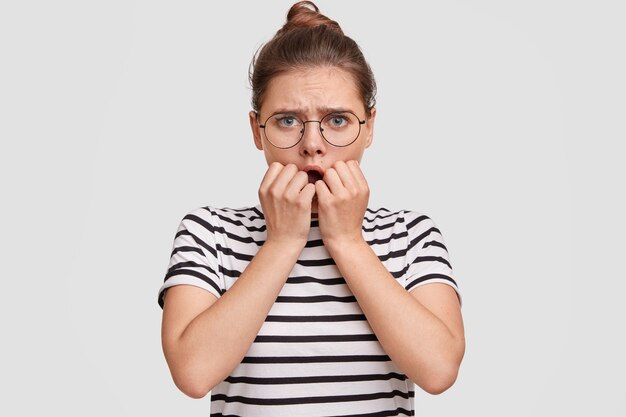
311, 303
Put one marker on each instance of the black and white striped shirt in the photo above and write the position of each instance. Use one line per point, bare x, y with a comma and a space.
316, 354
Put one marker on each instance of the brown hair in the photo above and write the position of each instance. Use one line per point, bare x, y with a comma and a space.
310, 39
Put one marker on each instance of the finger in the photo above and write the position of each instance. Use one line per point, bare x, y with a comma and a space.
357, 173
297, 184
345, 175
307, 193
322, 191
332, 180
270, 175
284, 177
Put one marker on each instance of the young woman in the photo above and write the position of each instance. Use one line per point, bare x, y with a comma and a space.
310, 303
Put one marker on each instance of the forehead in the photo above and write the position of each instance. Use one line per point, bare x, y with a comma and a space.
312, 92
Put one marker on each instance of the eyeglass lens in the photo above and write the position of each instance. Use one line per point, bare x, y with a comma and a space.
286, 130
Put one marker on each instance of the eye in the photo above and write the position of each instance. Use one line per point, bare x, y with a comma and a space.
336, 120
286, 121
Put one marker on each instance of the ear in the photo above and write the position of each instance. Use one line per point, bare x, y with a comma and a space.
370, 128
256, 130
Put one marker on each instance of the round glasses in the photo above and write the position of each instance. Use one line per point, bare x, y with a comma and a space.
285, 130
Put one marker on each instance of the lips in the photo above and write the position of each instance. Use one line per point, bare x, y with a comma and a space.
313, 176
314, 172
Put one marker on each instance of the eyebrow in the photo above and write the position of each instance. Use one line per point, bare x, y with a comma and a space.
324, 110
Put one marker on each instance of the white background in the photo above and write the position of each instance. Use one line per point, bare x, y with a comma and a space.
503, 121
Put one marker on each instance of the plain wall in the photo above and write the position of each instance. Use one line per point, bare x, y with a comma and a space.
503, 121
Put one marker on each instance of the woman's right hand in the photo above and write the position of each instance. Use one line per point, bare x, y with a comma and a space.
286, 197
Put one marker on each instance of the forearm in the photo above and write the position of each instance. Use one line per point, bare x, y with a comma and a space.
216, 341
416, 340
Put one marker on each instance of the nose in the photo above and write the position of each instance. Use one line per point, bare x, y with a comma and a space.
312, 142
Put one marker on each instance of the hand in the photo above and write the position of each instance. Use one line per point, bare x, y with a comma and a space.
342, 199
286, 196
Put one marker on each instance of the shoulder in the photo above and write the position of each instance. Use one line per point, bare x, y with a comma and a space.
409, 218
212, 216
382, 215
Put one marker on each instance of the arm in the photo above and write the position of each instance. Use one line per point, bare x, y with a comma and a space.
422, 330
201, 341
204, 338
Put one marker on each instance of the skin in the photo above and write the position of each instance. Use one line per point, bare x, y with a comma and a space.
422, 330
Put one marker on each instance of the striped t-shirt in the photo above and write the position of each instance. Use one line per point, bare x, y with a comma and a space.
315, 354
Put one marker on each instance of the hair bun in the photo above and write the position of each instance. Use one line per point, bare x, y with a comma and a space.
305, 14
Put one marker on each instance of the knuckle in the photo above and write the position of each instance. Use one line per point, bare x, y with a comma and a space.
273, 193
291, 199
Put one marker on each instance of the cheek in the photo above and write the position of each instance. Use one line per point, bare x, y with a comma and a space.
356, 154
275, 155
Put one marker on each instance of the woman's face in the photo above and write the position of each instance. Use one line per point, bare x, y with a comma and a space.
311, 94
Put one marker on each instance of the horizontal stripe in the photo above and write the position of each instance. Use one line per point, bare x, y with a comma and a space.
416, 221
233, 273
316, 332
429, 277
379, 214
316, 299
181, 232
221, 230
379, 227
187, 249
397, 412
393, 254
236, 222
316, 338
299, 319
394, 236
315, 359
316, 262
198, 241
314, 243
196, 274
421, 237
435, 243
180, 265
229, 252
314, 379
323, 281
432, 259
399, 274
308, 400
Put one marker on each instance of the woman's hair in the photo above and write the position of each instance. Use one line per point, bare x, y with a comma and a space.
307, 40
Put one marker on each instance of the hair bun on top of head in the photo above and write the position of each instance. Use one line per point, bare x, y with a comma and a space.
308, 39
305, 14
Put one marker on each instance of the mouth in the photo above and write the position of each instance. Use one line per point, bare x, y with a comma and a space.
314, 174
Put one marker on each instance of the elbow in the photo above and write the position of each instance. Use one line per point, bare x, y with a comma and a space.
442, 377
192, 387
193, 391
193, 382
191, 377
438, 378
438, 383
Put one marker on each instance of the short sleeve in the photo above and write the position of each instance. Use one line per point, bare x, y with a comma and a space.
194, 258
427, 256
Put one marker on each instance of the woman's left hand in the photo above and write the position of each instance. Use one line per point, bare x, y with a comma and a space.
342, 198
